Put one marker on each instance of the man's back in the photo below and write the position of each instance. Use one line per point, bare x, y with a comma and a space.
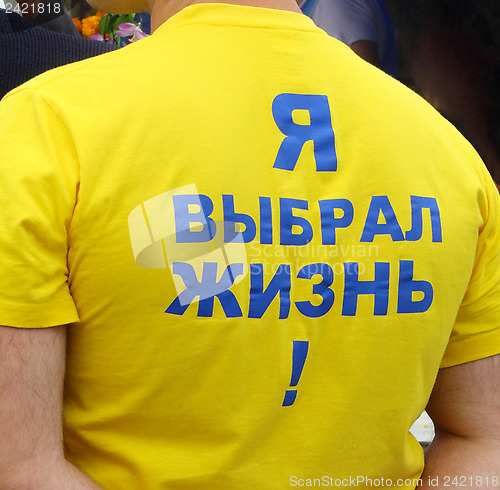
357, 253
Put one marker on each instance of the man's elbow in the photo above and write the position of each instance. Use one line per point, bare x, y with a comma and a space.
21, 470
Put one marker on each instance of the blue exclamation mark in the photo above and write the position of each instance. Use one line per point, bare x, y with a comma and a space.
300, 348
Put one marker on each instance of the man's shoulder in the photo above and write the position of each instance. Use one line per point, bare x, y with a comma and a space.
354, 6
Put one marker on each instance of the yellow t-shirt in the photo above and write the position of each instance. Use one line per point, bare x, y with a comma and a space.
265, 247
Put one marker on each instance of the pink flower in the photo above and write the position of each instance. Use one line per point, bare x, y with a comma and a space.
99, 37
129, 29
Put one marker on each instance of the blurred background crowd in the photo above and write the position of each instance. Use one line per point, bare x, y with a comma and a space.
449, 53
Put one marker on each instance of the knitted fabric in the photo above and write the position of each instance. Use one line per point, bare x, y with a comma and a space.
27, 50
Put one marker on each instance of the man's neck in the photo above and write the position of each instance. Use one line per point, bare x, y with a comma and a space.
162, 10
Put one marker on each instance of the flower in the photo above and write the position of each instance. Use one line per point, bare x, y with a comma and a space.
113, 28
90, 26
100, 37
78, 24
129, 29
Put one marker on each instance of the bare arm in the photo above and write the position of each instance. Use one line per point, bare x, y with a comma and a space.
32, 364
465, 408
367, 50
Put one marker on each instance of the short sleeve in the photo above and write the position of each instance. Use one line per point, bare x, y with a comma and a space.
39, 175
348, 21
476, 333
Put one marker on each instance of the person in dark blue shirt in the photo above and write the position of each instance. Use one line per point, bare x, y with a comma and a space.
26, 50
